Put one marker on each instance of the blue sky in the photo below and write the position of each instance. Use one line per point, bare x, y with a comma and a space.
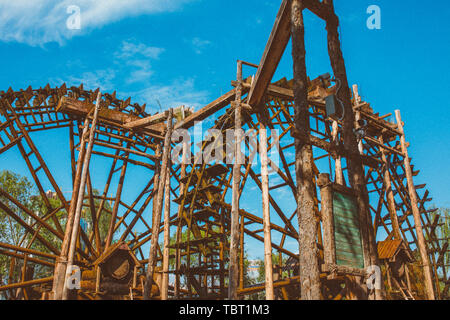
185, 52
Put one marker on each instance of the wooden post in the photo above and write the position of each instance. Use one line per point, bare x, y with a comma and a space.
266, 215
242, 254
390, 194
421, 244
157, 218
354, 162
80, 199
179, 225
61, 263
234, 243
166, 253
309, 253
326, 201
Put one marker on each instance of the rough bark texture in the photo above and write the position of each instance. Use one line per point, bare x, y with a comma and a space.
166, 253
355, 165
234, 243
266, 215
159, 200
61, 263
416, 213
309, 264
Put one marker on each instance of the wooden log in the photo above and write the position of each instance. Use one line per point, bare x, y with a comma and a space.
78, 108
390, 195
429, 290
309, 253
61, 263
266, 215
234, 242
26, 284
354, 160
166, 252
157, 218
273, 52
145, 122
80, 197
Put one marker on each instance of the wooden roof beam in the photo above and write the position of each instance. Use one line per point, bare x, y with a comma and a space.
273, 52
208, 110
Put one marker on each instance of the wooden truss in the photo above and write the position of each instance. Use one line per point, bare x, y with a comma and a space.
203, 250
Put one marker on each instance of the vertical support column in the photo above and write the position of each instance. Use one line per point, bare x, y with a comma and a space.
179, 225
390, 194
157, 217
61, 263
354, 162
309, 253
79, 206
421, 244
242, 254
234, 243
266, 215
165, 279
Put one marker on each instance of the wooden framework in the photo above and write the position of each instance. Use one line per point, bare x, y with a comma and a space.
204, 241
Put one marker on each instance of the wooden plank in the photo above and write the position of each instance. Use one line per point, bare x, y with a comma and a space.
78, 108
347, 233
145, 122
273, 52
208, 110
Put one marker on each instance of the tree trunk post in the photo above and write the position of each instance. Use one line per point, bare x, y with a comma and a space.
354, 162
421, 244
390, 194
159, 200
80, 198
309, 253
266, 215
166, 253
234, 243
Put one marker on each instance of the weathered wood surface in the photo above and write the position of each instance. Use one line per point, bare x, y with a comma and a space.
309, 271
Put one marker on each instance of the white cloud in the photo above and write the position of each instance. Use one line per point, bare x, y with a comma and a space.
179, 92
103, 79
199, 45
38, 22
130, 49
138, 57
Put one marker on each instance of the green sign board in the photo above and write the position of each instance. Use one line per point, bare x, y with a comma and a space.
347, 233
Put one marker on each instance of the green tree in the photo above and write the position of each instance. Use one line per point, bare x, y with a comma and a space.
11, 232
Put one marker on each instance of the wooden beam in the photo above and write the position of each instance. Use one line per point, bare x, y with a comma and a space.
306, 210
208, 110
164, 171
233, 285
78, 108
273, 52
416, 213
145, 122
266, 215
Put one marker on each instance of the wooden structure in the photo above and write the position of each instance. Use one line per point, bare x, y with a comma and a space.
396, 256
202, 255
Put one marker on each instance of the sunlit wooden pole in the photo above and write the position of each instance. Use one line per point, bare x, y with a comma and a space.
421, 244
